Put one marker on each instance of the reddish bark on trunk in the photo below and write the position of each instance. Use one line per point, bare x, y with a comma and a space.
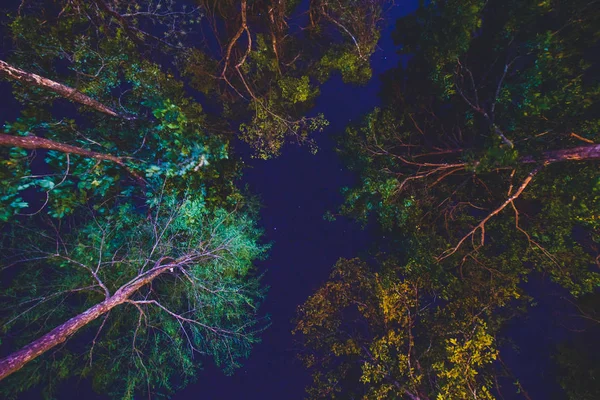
582, 153
61, 333
58, 88
33, 142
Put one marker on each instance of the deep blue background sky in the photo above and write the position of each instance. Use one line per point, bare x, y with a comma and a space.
296, 189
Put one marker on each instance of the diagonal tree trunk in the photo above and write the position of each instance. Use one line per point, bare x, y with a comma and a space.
582, 153
34, 142
61, 333
63, 90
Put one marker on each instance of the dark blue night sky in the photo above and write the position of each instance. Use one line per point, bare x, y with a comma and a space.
296, 190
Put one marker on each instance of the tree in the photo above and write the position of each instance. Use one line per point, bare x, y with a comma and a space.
102, 54
93, 157
270, 62
481, 168
65, 91
136, 183
249, 59
495, 156
110, 137
126, 286
376, 335
31, 142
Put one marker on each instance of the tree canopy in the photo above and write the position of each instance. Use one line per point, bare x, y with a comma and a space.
127, 245
481, 168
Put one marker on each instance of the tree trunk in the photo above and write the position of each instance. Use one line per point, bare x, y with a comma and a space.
63, 90
582, 153
58, 335
33, 142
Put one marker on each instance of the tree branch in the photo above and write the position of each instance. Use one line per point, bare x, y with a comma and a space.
65, 91
61, 333
581, 153
32, 142
481, 225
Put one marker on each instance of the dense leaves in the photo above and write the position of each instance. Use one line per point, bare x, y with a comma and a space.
127, 247
378, 335
272, 57
481, 167
204, 304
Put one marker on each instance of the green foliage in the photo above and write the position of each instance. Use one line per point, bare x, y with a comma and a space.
267, 74
167, 191
444, 158
297, 90
461, 167
266, 132
353, 68
375, 335
125, 354
169, 137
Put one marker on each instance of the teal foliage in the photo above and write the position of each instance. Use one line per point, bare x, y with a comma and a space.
219, 291
166, 191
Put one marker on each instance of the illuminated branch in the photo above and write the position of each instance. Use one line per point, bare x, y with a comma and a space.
329, 18
481, 225
61, 333
58, 88
195, 253
34, 142
474, 104
243, 28
581, 153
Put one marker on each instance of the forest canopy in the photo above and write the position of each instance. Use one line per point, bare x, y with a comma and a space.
481, 168
128, 248
130, 245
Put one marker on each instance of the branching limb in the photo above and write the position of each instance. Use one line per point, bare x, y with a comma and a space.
58, 88
243, 28
481, 225
337, 23
32, 142
475, 105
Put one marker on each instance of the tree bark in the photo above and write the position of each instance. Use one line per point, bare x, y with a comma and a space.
582, 153
58, 88
58, 335
34, 142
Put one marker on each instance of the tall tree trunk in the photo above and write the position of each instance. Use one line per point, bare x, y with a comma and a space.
34, 142
582, 153
63, 90
58, 335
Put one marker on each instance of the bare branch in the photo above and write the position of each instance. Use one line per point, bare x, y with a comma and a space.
477, 107
481, 225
